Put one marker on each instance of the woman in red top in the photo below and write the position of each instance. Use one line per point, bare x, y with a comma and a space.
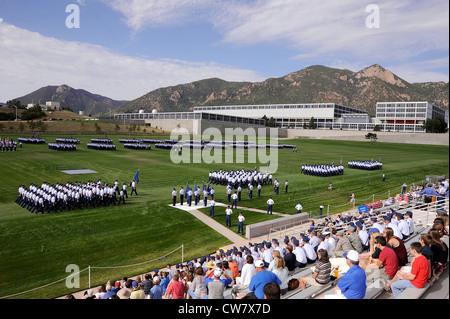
398, 246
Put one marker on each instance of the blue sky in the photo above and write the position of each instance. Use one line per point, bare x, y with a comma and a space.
126, 48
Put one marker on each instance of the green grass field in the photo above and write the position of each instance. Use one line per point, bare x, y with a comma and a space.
36, 249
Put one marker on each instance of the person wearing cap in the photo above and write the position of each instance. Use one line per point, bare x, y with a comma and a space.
410, 221
300, 255
216, 286
343, 245
403, 226
270, 203
363, 236
234, 197
259, 280
325, 245
389, 223
310, 253
138, 292
174, 196
156, 292
241, 220
228, 213
354, 239
353, 283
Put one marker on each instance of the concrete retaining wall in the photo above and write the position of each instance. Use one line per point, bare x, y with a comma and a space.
263, 228
388, 137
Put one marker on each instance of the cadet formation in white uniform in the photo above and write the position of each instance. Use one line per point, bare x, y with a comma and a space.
65, 197
322, 170
365, 165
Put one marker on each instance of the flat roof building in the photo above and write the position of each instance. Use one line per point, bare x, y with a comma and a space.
287, 115
407, 116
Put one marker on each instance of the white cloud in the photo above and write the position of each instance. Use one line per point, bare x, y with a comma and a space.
317, 30
33, 61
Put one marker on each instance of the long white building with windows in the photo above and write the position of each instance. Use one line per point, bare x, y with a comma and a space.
407, 116
289, 115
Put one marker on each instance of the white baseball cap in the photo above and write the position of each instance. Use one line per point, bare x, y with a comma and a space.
217, 272
352, 255
259, 263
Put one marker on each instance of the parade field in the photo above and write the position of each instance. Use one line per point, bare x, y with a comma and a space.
37, 248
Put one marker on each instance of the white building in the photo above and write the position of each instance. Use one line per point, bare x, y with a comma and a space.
288, 115
53, 105
407, 116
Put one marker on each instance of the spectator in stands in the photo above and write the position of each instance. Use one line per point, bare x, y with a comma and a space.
425, 240
416, 277
353, 283
440, 252
324, 244
310, 253
101, 292
248, 271
259, 280
370, 257
300, 256
321, 274
175, 288
147, 284
343, 245
354, 239
138, 292
216, 287
165, 280
198, 285
109, 290
290, 258
126, 291
272, 291
279, 269
387, 263
397, 245
156, 292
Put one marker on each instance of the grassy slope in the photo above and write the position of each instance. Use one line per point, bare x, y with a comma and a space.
147, 228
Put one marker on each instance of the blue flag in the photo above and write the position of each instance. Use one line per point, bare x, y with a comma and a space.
268, 164
136, 177
195, 186
187, 191
203, 186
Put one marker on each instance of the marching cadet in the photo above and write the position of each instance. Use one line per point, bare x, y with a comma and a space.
181, 195
239, 192
228, 191
259, 187
196, 196
121, 197
133, 187
174, 197
124, 189
211, 192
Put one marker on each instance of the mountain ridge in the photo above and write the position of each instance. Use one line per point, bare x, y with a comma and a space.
314, 84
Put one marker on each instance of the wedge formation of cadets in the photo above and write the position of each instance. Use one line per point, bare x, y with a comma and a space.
70, 196
322, 170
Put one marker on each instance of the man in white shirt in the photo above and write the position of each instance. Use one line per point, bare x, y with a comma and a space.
234, 197
311, 255
228, 213
270, 203
174, 196
241, 220
299, 207
300, 256
181, 195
